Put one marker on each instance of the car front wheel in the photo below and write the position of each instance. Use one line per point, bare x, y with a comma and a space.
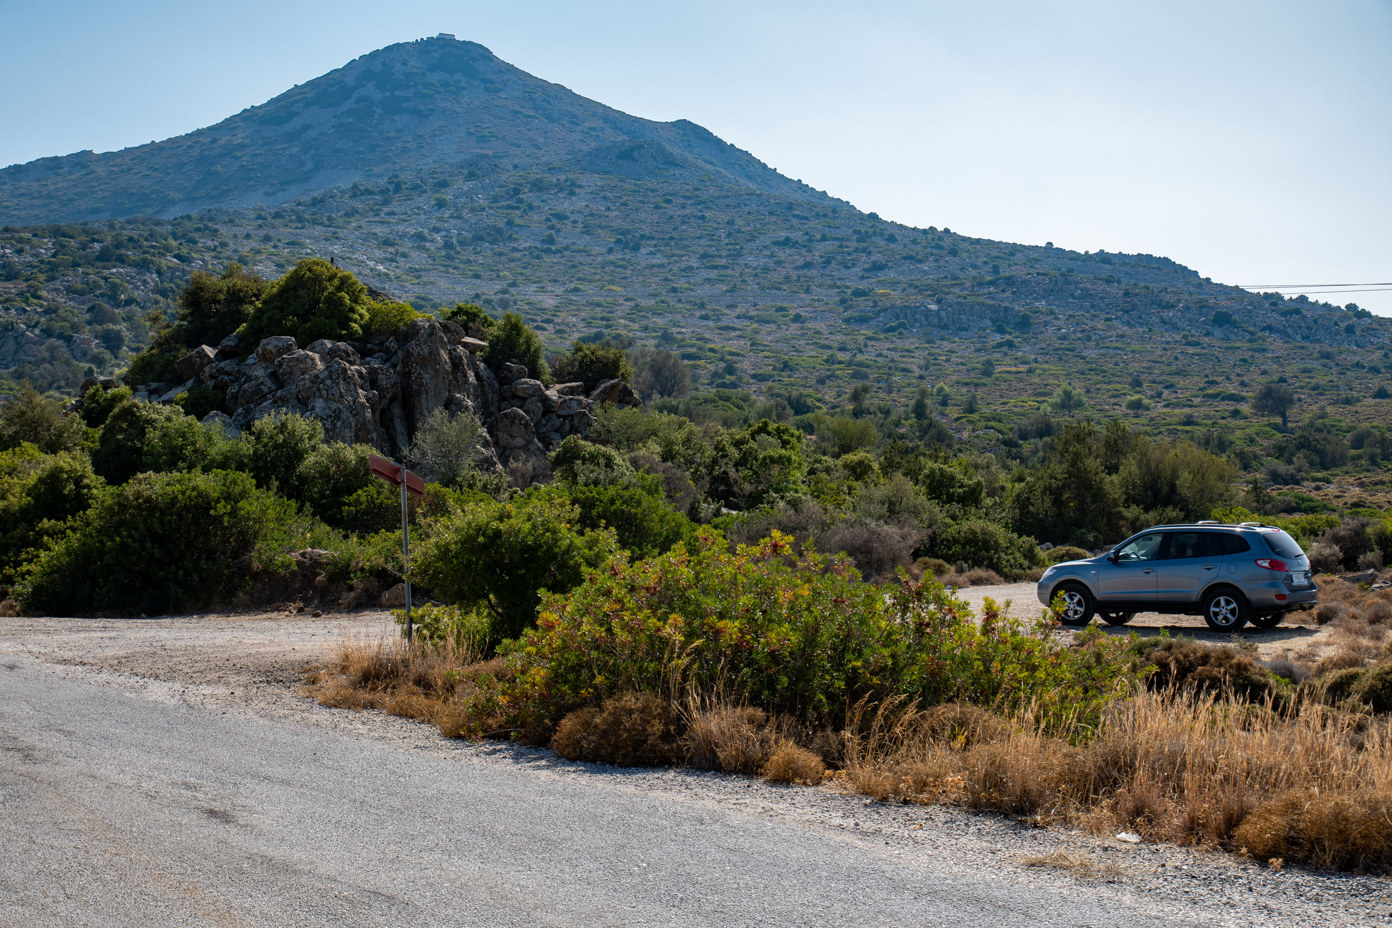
1225, 610
1117, 618
1078, 607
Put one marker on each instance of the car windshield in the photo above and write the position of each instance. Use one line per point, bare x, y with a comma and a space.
1282, 545
1140, 549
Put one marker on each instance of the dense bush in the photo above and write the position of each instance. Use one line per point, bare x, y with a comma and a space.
500, 556
447, 448
160, 542
39, 494
139, 436
591, 363
278, 445
642, 521
316, 300
213, 307
512, 341
333, 480
39, 420
800, 637
978, 543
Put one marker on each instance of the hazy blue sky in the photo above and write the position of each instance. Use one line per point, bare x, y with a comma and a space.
1248, 140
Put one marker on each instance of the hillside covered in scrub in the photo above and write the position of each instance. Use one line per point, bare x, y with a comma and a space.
439, 174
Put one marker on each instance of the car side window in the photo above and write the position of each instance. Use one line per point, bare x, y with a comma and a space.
1145, 548
1229, 544
1187, 545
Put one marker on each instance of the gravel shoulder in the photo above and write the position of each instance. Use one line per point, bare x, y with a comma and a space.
1298, 637
246, 670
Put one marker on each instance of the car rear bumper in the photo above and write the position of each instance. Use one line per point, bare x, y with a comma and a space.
1278, 597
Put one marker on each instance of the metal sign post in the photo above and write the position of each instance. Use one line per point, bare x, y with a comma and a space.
399, 476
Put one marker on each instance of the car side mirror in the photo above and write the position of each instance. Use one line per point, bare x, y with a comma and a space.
1113, 557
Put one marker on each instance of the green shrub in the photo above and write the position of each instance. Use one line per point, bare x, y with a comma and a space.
447, 448
139, 436
592, 363
642, 520
313, 300
160, 542
1065, 553
500, 556
32, 417
277, 446
582, 463
334, 481
471, 318
438, 624
984, 544
39, 495
799, 637
198, 401
512, 341
1375, 688
385, 317
97, 404
212, 308
156, 363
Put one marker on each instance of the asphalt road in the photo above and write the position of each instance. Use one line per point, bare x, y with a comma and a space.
168, 798
121, 809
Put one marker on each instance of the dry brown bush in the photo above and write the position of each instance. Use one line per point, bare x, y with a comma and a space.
791, 764
976, 576
735, 739
630, 730
1346, 831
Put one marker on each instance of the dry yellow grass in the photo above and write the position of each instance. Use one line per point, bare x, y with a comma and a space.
1080, 865
1173, 767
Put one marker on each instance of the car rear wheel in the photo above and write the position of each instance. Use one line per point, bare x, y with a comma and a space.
1078, 606
1271, 620
1225, 610
1117, 618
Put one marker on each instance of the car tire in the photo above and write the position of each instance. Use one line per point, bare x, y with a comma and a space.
1225, 610
1078, 605
1270, 620
1117, 618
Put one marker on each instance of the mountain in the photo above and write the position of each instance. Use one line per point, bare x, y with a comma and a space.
438, 173
435, 103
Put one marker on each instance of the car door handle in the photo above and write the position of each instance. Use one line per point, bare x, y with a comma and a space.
1210, 566
1148, 570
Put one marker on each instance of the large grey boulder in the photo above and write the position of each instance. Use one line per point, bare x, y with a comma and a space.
275, 346
192, 364
514, 437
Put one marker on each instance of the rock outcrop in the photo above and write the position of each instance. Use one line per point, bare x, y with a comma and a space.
380, 394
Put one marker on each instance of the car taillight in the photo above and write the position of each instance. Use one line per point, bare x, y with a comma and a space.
1271, 563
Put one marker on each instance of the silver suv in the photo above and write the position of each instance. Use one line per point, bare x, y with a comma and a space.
1229, 574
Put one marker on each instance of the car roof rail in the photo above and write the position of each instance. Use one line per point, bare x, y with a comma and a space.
1208, 522
1253, 525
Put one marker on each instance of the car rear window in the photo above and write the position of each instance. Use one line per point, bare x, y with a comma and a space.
1281, 544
